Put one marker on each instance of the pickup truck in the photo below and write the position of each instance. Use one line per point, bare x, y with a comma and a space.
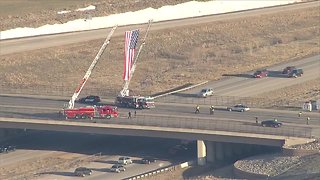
295, 73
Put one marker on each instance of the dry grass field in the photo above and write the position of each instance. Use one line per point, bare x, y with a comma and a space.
171, 57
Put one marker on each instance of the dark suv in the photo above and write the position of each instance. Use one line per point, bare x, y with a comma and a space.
90, 99
7, 149
261, 73
271, 123
295, 73
148, 160
82, 171
288, 69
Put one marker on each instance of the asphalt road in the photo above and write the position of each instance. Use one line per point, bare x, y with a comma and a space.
39, 42
244, 85
238, 85
40, 145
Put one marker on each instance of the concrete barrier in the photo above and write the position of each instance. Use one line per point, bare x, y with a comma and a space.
162, 170
179, 90
288, 151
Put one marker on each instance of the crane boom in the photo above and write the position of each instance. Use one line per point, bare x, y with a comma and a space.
89, 71
125, 90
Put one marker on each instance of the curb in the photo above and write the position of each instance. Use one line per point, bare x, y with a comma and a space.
183, 89
162, 170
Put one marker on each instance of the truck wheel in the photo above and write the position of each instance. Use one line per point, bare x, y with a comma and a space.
84, 116
77, 116
108, 116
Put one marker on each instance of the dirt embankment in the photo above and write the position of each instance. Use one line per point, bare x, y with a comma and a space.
175, 56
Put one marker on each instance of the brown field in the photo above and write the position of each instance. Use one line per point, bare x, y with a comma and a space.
34, 13
173, 57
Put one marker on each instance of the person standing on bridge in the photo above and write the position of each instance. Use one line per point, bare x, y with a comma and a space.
129, 115
211, 110
308, 119
197, 109
299, 115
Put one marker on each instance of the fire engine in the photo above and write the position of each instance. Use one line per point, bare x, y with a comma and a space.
137, 102
91, 112
129, 101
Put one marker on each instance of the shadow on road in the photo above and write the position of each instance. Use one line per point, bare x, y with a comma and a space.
58, 173
239, 75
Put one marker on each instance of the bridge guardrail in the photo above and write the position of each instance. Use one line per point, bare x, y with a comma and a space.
206, 124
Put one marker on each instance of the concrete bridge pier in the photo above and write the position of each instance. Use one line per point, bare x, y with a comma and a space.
219, 153
201, 153
210, 145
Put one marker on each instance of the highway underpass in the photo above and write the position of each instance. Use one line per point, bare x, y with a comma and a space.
211, 143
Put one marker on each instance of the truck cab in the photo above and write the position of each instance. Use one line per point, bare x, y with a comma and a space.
137, 102
295, 73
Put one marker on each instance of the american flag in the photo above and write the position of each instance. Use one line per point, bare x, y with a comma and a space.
131, 39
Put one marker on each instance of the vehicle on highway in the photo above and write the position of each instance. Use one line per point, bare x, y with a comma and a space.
148, 160
82, 171
124, 160
91, 112
179, 148
137, 102
238, 107
261, 73
295, 73
288, 69
117, 168
7, 149
205, 92
90, 99
271, 123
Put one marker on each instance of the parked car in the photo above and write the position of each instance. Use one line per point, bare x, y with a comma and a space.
179, 148
295, 73
82, 171
271, 123
7, 149
124, 160
261, 73
117, 168
288, 69
238, 107
206, 92
148, 160
90, 99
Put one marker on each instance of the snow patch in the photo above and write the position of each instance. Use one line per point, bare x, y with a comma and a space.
184, 10
89, 8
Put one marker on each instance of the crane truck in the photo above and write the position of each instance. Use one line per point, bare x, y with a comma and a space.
90, 111
138, 102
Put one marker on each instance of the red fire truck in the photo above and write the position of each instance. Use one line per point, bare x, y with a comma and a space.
91, 112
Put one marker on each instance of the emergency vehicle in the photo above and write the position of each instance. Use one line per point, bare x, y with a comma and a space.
137, 102
91, 112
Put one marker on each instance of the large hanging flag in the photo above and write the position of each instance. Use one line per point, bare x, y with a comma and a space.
131, 39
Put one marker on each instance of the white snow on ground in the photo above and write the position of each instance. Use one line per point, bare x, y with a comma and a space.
87, 8
63, 12
184, 10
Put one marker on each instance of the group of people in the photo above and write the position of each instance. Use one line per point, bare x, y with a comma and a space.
211, 109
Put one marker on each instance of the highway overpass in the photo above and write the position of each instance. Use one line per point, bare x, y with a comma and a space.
220, 144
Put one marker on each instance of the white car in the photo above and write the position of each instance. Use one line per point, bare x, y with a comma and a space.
238, 107
206, 92
125, 160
